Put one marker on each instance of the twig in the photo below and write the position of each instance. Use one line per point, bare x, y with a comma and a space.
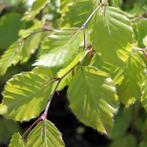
143, 50
90, 16
37, 31
44, 115
85, 39
28, 130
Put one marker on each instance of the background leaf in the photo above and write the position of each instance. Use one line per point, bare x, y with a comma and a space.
19, 51
121, 123
125, 141
9, 29
37, 6
7, 128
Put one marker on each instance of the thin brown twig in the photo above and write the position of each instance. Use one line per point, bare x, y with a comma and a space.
28, 130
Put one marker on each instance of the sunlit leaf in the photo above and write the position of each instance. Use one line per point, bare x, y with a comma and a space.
19, 51
60, 48
75, 12
45, 134
111, 30
132, 76
26, 94
16, 141
92, 98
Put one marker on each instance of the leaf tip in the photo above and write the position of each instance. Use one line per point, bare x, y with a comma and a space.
3, 109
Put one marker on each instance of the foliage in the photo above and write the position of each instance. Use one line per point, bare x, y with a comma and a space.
97, 49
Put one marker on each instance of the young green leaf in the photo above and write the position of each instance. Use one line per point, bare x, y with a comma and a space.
16, 141
111, 30
45, 134
75, 12
26, 94
20, 50
132, 76
92, 98
60, 48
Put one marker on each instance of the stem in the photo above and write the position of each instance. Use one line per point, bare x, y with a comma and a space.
90, 16
44, 115
37, 31
28, 130
85, 40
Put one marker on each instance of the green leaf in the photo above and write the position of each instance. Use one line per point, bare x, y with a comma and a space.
19, 51
66, 80
16, 141
45, 134
9, 29
60, 48
3, 109
121, 123
99, 63
10, 2
144, 93
125, 141
111, 30
30, 46
132, 76
141, 31
26, 94
37, 26
7, 129
37, 6
92, 98
116, 3
145, 41
74, 13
